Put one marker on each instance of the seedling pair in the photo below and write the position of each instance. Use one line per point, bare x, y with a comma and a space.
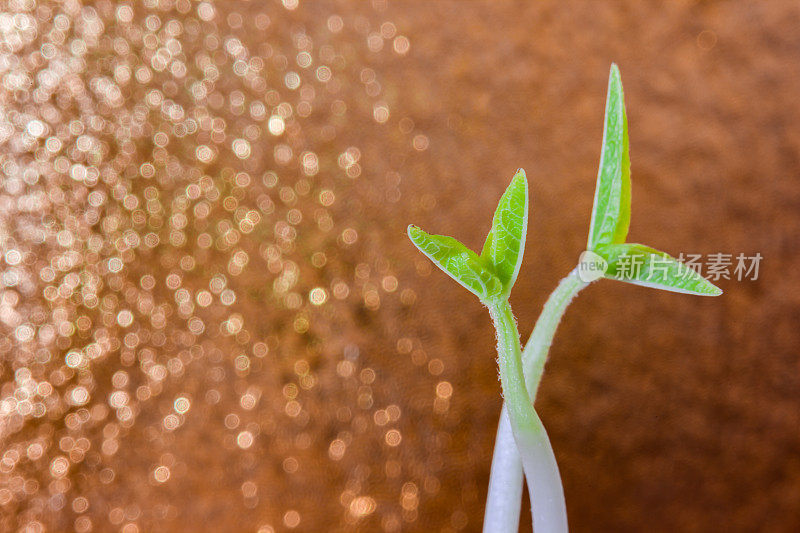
521, 438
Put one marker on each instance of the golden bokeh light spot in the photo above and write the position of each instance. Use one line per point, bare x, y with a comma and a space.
362, 506
291, 518
349, 236
393, 437
182, 405
244, 440
318, 296
336, 449
161, 474
444, 389
401, 44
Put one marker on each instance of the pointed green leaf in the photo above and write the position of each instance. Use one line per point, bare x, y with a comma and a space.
611, 214
505, 243
642, 265
459, 262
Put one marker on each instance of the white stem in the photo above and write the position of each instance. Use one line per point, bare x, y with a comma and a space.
505, 480
538, 462
548, 507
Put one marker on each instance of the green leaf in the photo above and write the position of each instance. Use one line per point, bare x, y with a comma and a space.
642, 265
459, 262
611, 214
505, 244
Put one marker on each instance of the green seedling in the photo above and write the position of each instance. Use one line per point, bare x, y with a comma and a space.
491, 276
611, 216
522, 443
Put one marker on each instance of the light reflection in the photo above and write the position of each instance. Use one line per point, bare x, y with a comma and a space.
180, 240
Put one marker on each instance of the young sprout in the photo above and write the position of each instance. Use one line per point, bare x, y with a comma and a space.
522, 443
490, 277
608, 254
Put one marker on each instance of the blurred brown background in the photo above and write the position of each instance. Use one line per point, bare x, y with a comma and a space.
211, 318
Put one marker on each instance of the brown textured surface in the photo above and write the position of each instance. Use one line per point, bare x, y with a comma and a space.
666, 412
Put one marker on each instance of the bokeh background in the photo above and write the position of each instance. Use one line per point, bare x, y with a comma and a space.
211, 318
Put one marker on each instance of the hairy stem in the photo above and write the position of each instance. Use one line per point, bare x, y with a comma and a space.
509, 352
535, 354
536, 454
505, 482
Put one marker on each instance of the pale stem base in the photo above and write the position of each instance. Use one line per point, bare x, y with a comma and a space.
505, 482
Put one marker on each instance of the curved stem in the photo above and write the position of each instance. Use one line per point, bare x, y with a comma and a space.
512, 379
503, 501
538, 462
535, 354
505, 482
